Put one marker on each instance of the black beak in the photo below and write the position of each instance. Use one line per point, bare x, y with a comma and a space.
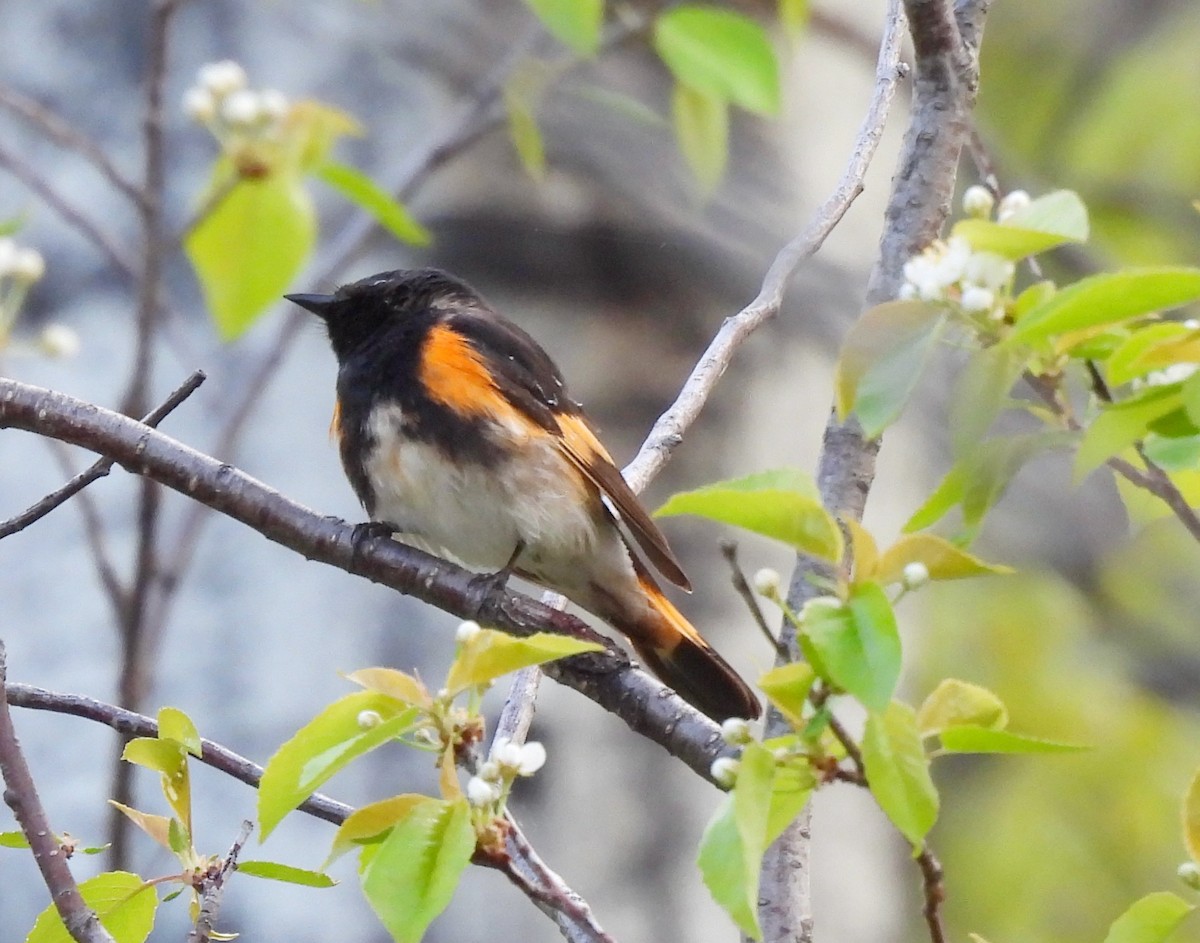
317, 304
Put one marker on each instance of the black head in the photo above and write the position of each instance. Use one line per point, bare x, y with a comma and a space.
357, 313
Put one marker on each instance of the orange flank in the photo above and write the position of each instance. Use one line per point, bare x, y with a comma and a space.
455, 374
335, 424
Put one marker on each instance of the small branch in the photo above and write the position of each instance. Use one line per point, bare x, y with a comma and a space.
550, 893
668, 431
67, 136
935, 894
131, 724
517, 713
729, 552
213, 889
21, 796
819, 698
100, 468
608, 678
100, 238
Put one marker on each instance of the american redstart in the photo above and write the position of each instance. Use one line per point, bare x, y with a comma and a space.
456, 428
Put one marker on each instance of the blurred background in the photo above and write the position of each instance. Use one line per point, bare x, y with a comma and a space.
623, 272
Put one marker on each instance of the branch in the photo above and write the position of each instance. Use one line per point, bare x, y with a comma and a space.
668, 431
21, 796
648, 707
74, 217
935, 894
131, 724
213, 887
533, 877
100, 468
67, 136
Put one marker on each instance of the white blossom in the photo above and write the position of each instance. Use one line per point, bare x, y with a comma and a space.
199, 104
735, 731
368, 719
518, 759
273, 103
242, 108
482, 792
1011, 203
467, 631
58, 340
978, 201
1175, 373
27, 266
988, 270
915, 575
978, 299
724, 771
221, 78
766, 582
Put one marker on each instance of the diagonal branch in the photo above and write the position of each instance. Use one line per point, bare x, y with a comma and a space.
608, 678
100, 468
20, 794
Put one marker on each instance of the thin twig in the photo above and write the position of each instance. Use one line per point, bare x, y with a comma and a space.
214, 889
132, 724
668, 431
517, 713
98, 469
935, 893
67, 136
535, 879
21, 796
729, 551
74, 217
819, 697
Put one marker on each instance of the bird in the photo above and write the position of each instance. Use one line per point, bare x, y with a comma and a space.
456, 432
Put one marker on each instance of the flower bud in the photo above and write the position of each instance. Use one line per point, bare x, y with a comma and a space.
27, 266
482, 792
978, 299
1012, 202
736, 732
766, 582
978, 202
467, 631
222, 78
241, 108
1189, 873
915, 575
369, 719
199, 104
58, 340
273, 103
724, 771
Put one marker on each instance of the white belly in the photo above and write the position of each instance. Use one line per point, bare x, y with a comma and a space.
477, 514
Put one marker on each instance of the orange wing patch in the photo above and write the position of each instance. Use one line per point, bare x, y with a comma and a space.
591, 457
456, 375
335, 424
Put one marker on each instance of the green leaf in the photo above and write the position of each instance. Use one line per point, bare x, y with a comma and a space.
735, 840
364, 192
1048, 221
13, 840
948, 493
721, 53
395, 684
124, 903
1191, 397
981, 393
1133, 357
576, 22
322, 747
372, 821
157, 827
1149, 920
168, 757
882, 358
780, 504
1108, 299
898, 771
1191, 817
410, 879
178, 839
249, 248
858, 644
274, 871
702, 129
1122, 424
968, 738
787, 688
791, 789
522, 93
942, 559
489, 654
174, 724
954, 703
